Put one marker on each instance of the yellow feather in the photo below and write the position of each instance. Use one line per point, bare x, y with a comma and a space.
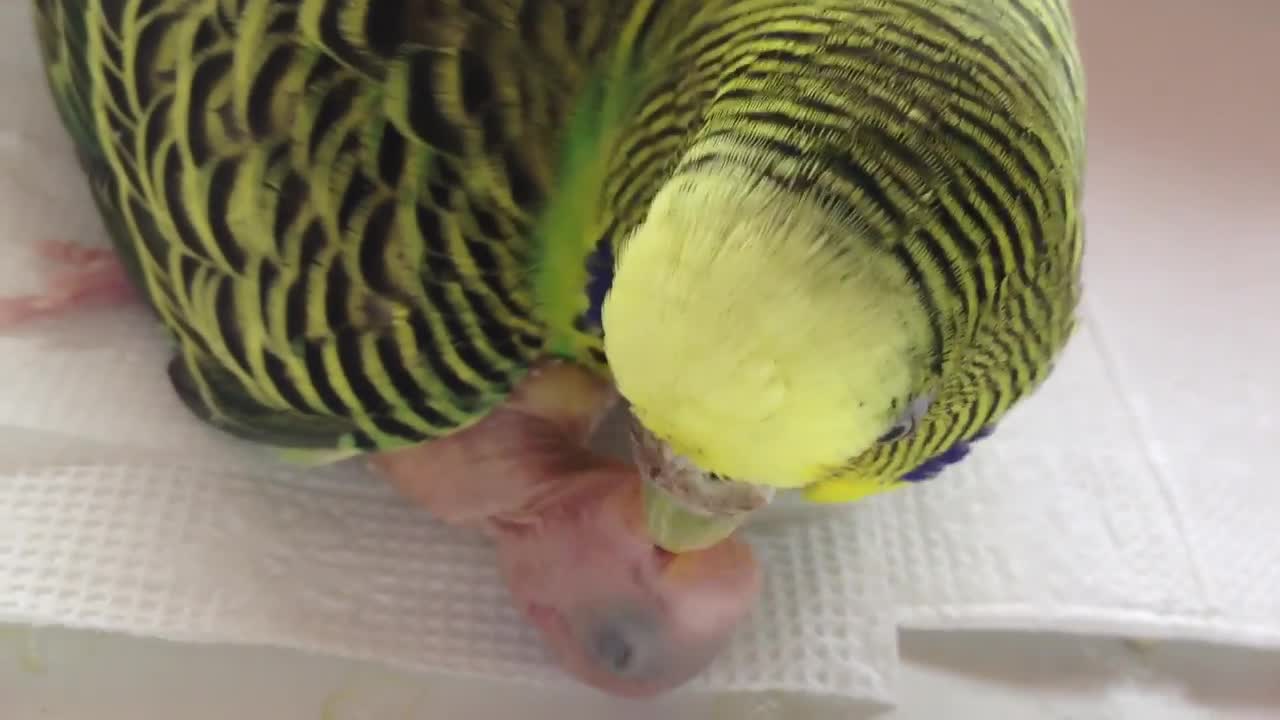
718, 304
846, 490
314, 458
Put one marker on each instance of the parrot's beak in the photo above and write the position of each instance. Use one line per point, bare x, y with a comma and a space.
687, 509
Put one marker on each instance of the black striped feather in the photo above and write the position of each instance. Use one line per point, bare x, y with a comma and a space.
950, 131
333, 202
329, 203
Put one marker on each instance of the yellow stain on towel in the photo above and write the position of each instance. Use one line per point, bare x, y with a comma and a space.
27, 644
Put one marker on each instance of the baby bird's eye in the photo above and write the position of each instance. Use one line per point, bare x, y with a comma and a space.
906, 423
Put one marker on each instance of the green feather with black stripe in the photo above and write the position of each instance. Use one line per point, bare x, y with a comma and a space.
819, 245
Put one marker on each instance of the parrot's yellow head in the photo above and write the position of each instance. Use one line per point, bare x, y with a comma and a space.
763, 342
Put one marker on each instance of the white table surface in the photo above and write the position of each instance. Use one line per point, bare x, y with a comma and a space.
1131, 49
56, 674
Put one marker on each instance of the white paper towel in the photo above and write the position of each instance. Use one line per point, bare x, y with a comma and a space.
1130, 496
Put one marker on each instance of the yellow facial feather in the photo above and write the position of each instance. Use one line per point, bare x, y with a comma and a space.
729, 304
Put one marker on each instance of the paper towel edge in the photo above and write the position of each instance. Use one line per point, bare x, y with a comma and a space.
1098, 621
545, 681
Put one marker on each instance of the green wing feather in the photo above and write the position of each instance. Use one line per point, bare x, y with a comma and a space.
330, 204
61, 30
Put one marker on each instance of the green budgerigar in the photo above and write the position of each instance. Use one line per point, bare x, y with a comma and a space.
818, 246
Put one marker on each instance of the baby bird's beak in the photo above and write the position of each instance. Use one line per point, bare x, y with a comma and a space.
686, 508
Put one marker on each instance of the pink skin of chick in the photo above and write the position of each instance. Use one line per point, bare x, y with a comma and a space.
86, 277
616, 612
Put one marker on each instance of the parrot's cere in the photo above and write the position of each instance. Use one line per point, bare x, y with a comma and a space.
815, 246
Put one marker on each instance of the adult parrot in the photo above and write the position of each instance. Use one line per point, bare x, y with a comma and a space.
816, 246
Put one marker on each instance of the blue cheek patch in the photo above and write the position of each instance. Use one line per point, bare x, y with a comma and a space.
599, 280
936, 464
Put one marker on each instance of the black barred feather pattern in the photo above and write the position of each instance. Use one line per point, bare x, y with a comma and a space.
948, 132
330, 202
334, 203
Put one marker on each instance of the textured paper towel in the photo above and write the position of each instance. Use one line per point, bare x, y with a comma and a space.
1138, 493
1112, 502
